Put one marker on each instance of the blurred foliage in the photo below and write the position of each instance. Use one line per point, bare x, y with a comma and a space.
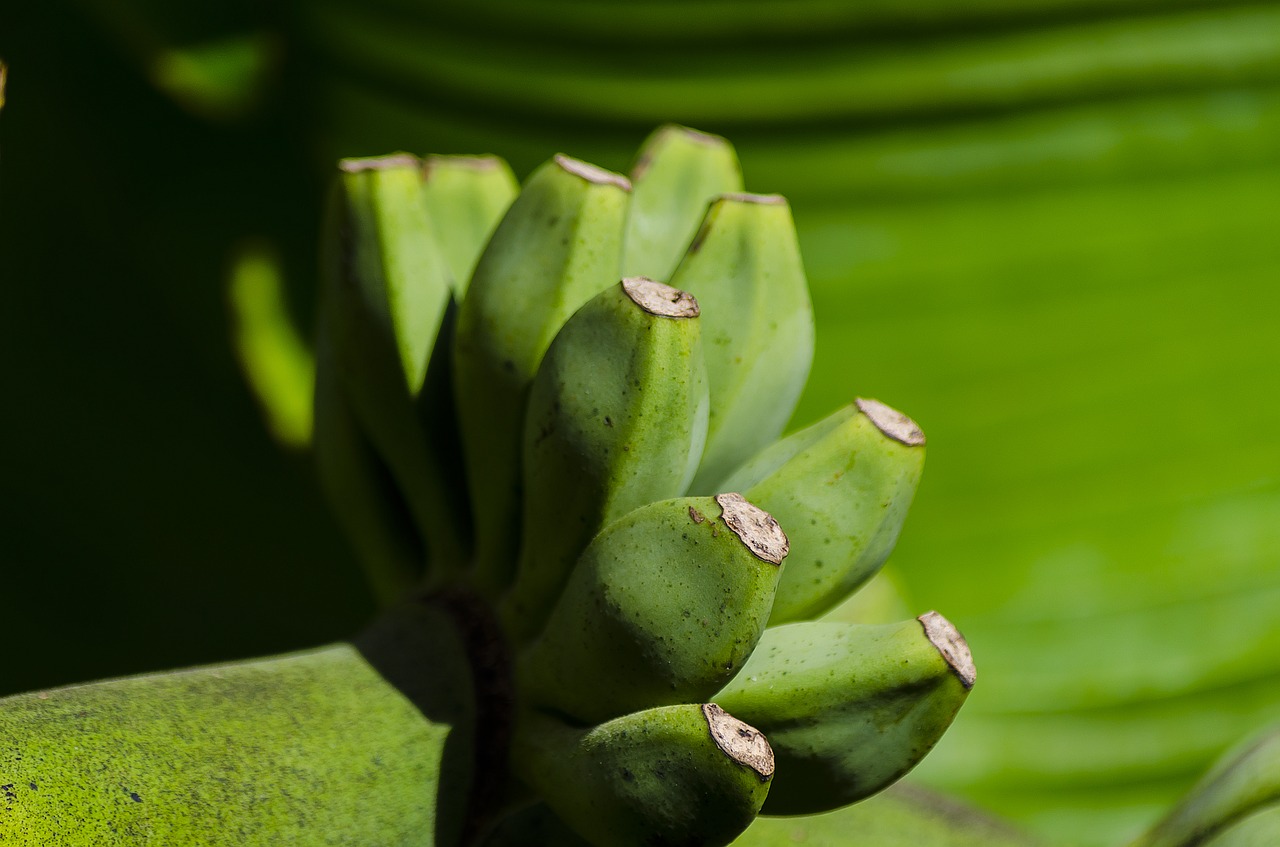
1047, 229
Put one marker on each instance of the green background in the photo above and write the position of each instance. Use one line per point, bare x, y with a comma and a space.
1048, 230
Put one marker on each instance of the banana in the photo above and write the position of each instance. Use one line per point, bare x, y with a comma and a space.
466, 197
388, 294
757, 327
617, 418
358, 486
1243, 783
676, 174
662, 607
849, 708
1260, 829
558, 246
679, 775
842, 488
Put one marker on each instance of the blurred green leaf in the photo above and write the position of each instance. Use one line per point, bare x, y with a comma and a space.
277, 361
220, 79
902, 816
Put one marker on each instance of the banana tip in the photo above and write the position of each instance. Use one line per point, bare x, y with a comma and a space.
755, 527
660, 299
470, 163
757, 199
380, 163
592, 173
891, 422
951, 644
741, 742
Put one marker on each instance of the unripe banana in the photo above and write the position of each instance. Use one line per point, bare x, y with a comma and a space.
662, 607
848, 708
1244, 782
842, 488
679, 775
364, 498
677, 173
466, 197
558, 246
617, 418
388, 291
744, 267
1260, 829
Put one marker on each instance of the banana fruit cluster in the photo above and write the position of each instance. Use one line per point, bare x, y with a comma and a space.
567, 399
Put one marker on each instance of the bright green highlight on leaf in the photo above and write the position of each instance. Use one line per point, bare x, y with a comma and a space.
220, 79
277, 362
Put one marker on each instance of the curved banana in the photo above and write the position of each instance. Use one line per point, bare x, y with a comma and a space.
678, 775
1260, 829
1243, 784
617, 418
848, 708
757, 326
842, 487
558, 246
662, 607
388, 293
466, 197
359, 488
677, 172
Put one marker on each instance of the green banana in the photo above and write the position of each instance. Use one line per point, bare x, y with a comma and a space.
388, 293
842, 488
744, 267
1260, 829
466, 197
662, 607
558, 246
358, 486
678, 775
676, 174
617, 418
849, 708
1244, 782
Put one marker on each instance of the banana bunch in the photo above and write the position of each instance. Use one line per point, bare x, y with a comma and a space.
566, 403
